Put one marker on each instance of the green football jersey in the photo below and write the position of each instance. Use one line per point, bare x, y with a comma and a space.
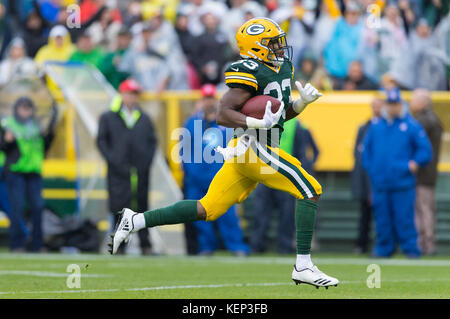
260, 79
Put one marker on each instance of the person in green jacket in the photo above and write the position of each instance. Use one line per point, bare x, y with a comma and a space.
111, 60
87, 52
24, 145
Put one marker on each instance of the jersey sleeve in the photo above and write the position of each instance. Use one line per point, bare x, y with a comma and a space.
240, 75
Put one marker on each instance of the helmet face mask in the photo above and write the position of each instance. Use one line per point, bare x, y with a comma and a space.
279, 51
263, 39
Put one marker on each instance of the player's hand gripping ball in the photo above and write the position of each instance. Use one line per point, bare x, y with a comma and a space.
262, 111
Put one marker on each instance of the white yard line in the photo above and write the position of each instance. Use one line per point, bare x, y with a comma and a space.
339, 261
63, 257
45, 274
237, 285
142, 288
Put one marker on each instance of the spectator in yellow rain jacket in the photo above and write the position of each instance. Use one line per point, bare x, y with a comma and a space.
59, 47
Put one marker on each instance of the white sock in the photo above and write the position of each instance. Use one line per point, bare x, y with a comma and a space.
138, 222
303, 261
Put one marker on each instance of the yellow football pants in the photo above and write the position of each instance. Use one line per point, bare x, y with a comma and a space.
240, 175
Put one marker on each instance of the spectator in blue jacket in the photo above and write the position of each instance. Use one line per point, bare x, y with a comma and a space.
395, 146
341, 49
200, 169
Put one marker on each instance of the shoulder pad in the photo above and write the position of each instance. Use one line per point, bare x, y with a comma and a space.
247, 66
242, 74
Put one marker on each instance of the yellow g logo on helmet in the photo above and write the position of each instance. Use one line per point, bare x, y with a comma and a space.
263, 39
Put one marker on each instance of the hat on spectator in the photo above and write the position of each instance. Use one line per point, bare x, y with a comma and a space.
124, 30
422, 22
17, 42
86, 34
254, 8
208, 90
272, 5
309, 4
58, 31
352, 6
24, 101
217, 9
130, 85
185, 9
308, 54
149, 26
146, 26
150, 10
393, 95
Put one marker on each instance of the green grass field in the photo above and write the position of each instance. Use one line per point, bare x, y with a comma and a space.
224, 276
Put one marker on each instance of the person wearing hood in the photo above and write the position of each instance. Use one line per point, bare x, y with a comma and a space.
111, 60
341, 48
59, 47
36, 26
184, 35
17, 62
211, 47
311, 71
394, 148
35, 32
25, 145
421, 63
87, 51
127, 140
104, 32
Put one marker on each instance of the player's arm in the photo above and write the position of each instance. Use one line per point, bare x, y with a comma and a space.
308, 94
240, 78
290, 113
228, 113
231, 102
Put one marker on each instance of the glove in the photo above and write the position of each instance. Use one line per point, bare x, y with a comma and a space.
241, 147
269, 120
308, 94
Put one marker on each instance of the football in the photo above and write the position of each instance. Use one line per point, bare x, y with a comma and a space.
256, 106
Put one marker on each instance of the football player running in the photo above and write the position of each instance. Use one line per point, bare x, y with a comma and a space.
253, 155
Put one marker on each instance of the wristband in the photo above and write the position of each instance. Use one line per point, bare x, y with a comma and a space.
254, 123
299, 105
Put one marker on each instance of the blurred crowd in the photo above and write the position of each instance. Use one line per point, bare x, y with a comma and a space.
183, 44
